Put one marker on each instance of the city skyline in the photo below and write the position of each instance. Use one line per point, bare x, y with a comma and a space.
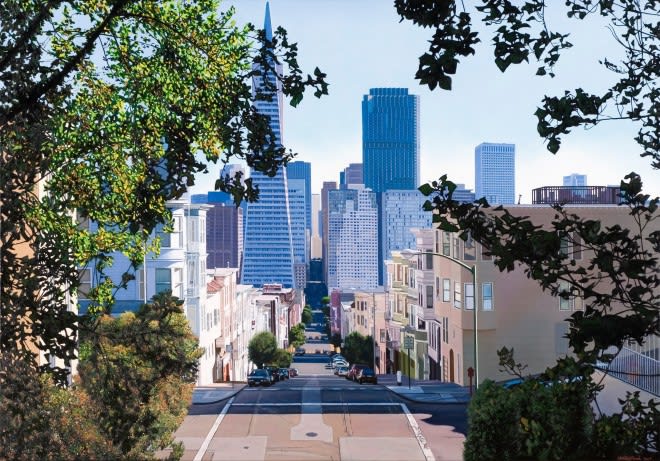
340, 38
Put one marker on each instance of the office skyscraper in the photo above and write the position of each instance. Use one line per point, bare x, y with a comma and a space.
575, 179
268, 246
299, 177
351, 175
495, 172
352, 239
390, 139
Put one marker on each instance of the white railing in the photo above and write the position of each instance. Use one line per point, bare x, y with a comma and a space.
637, 365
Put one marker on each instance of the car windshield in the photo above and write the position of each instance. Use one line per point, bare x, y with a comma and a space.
258, 373
367, 371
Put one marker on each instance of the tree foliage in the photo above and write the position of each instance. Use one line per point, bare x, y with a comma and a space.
297, 335
620, 283
307, 316
262, 348
109, 109
141, 368
336, 340
358, 348
522, 33
282, 358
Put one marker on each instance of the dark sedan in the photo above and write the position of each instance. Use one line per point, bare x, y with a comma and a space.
367, 375
259, 378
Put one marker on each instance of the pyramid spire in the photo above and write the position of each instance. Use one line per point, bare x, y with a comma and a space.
267, 25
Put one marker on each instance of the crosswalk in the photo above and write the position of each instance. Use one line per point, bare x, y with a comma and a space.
323, 388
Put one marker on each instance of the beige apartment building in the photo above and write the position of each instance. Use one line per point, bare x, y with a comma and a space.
511, 309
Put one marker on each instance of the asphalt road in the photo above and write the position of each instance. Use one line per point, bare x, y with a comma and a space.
319, 416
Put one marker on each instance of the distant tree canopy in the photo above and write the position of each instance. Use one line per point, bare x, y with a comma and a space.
336, 340
358, 349
297, 335
262, 348
108, 109
620, 282
307, 316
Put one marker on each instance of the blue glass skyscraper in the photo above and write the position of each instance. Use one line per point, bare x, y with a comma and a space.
390, 139
268, 247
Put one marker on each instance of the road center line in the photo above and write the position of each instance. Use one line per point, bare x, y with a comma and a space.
212, 431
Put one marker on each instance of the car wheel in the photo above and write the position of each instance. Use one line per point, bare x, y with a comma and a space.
360, 382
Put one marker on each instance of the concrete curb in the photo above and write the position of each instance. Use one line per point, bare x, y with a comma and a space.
228, 395
410, 398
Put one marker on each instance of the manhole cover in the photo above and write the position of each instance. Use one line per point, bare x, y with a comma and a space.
311, 434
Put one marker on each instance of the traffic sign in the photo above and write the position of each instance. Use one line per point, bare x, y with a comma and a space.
408, 342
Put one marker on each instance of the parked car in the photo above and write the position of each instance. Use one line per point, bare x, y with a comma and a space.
273, 371
259, 377
341, 371
293, 372
284, 373
367, 375
354, 369
299, 351
339, 363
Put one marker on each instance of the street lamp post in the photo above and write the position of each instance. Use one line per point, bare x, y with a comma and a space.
472, 270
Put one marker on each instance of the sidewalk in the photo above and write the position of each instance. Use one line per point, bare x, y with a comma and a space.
213, 393
426, 391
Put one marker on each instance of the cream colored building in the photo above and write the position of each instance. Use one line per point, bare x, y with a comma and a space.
512, 310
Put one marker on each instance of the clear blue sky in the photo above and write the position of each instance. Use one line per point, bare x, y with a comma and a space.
361, 44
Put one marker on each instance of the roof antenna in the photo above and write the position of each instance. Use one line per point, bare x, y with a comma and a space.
519, 197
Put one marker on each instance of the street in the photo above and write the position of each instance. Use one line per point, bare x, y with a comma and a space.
324, 417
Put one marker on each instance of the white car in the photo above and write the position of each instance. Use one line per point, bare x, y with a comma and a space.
342, 371
339, 363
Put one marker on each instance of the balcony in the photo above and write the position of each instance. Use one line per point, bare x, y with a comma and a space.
425, 313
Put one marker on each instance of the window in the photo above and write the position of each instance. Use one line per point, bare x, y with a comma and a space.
164, 236
85, 283
382, 335
577, 247
469, 249
163, 280
446, 243
139, 283
563, 246
457, 248
445, 330
429, 261
485, 255
469, 296
429, 296
446, 290
457, 295
437, 287
565, 299
177, 287
487, 296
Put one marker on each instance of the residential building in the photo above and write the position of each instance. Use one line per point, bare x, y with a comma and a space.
495, 172
390, 139
180, 268
352, 239
512, 311
268, 255
368, 312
